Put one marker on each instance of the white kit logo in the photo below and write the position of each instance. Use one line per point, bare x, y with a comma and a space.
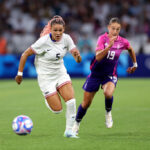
118, 46
106, 44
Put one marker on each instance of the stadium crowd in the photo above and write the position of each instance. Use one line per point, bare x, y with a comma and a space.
22, 21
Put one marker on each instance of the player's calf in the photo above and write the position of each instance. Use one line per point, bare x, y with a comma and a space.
54, 111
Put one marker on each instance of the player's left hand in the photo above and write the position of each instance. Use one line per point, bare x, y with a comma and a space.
131, 69
76, 55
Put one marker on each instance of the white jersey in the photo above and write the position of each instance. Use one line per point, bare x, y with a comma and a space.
49, 54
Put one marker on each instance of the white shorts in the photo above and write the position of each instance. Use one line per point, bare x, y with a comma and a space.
49, 84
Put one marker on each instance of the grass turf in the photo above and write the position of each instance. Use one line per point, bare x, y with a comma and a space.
131, 109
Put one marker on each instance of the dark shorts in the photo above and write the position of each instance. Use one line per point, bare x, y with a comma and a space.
92, 84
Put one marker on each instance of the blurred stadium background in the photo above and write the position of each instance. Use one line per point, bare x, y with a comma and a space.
21, 22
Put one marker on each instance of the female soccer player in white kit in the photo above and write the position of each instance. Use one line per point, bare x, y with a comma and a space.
52, 75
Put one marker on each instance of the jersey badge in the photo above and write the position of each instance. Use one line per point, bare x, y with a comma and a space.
48, 50
65, 48
106, 44
118, 46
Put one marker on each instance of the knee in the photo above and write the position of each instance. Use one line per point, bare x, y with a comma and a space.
56, 110
108, 94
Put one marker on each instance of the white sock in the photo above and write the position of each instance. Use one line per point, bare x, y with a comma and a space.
70, 113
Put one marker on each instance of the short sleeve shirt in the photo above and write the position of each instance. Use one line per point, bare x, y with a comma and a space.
108, 65
49, 54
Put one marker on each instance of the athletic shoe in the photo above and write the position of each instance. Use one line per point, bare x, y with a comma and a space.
109, 121
70, 134
75, 128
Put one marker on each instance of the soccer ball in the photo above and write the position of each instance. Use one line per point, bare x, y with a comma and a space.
22, 125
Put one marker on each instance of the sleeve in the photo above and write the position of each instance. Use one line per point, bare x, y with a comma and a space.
126, 44
38, 46
100, 43
70, 43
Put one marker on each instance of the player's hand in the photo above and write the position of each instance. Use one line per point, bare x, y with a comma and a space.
18, 79
79, 59
131, 69
76, 55
112, 40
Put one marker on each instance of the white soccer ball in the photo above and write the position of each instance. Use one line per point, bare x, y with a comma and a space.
22, 125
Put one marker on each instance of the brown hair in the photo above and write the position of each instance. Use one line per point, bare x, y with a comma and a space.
114, 20
55, 20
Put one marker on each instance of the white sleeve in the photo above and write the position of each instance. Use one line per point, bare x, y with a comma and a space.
70, 43
38, 46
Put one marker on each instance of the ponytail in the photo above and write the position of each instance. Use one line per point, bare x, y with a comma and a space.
46, 30
55, 20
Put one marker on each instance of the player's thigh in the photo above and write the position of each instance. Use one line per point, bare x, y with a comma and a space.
47, 84
66, 91
108, 89
54, 102
87, 99
64, 87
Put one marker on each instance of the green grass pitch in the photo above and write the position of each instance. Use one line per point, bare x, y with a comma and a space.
131, 115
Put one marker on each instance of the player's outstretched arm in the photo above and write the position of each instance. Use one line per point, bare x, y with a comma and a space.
133, 57
76, 54
100, 54
23, 59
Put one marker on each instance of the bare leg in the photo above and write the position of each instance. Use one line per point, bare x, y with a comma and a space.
54, 103
87, 100
67, 93
108, 89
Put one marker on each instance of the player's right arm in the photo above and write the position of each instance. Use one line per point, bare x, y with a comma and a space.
23, 59
101, 53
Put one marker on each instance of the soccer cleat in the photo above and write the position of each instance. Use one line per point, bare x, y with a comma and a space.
75, 128
70, 134
109, 121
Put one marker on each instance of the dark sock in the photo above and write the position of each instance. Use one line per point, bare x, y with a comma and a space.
80, 113
108, 104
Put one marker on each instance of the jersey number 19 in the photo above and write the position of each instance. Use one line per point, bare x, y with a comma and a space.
111, 55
